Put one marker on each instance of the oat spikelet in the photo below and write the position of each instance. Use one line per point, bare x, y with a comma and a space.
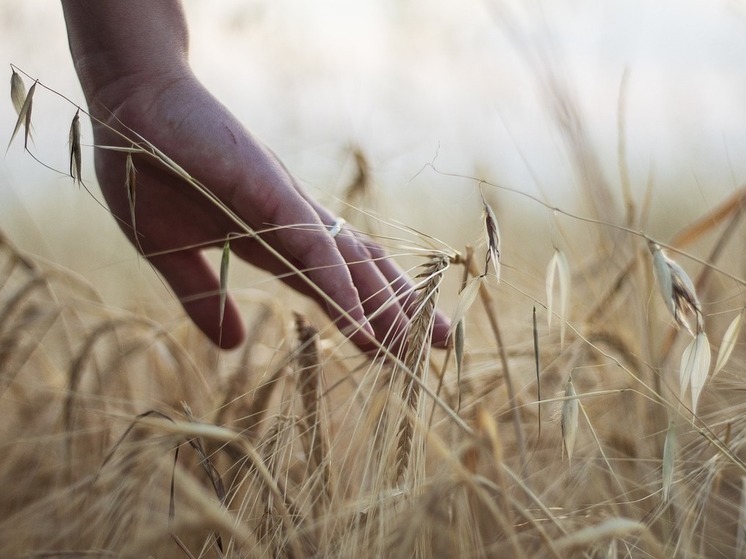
415, 358
729, 343
224, 262
24, 117
569, 421
75, 150
465, 299
558, 266
669, 460
459, 341
493, 240
695, 365
457, 331
130, 185
677, 289
17, 91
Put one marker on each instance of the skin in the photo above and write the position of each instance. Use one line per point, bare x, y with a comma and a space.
132, 61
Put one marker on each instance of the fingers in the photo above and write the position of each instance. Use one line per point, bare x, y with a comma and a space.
386, 292
302, 239
328, 269
379, 299
198, 289
403, 287
380, 296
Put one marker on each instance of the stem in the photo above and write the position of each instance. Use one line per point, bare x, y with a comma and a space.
489, 306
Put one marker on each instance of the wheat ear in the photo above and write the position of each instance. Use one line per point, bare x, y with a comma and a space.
415, 357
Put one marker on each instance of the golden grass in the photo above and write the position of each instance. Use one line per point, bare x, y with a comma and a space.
121, 438
304, 439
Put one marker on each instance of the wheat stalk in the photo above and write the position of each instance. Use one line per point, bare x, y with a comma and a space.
310, 376
416, 357
557, 512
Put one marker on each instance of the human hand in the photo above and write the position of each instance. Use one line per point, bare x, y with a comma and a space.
348, 275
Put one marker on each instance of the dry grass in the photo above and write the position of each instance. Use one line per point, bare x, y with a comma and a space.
122, 439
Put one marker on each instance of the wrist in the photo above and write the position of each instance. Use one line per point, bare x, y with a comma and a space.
117, 45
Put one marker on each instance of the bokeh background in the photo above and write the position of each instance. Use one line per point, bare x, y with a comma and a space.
408, 83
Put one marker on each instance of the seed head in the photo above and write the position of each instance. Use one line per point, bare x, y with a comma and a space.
677, 289
493, 240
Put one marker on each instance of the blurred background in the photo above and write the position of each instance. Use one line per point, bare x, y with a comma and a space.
408, 83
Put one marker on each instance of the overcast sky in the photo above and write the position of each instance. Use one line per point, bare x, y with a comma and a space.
406, 79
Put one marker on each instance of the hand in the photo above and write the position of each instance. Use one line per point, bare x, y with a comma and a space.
174, 222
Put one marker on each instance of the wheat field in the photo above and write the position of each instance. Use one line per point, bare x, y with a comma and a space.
590, 402
125, 438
